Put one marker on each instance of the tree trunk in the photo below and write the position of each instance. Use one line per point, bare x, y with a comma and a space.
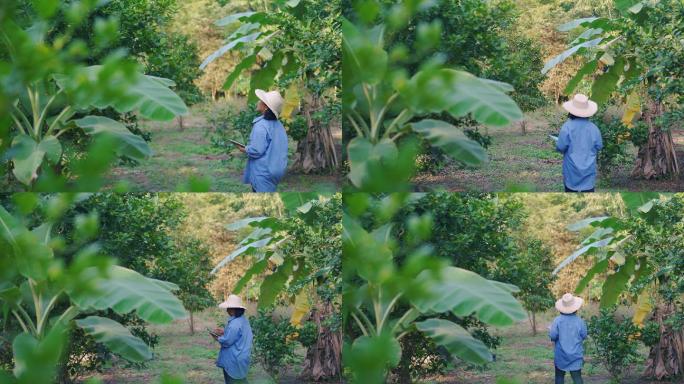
180, 122
666, 359
316, 152
534, 324
658, 157
192, 324
323, 359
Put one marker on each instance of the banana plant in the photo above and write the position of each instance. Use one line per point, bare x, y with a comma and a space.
612, 243
602, 36
386, 299
266, 239
385, 103
46, 296
49, 110
257, 29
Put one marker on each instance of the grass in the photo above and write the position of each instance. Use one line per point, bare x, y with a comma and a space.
182, 154
529, 162
191, 357
529, 359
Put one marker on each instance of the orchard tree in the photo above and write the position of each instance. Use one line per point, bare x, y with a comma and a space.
188, 267
530, 269
638, 53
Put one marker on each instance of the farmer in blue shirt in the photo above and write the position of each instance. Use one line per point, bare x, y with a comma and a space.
267, 147
236, 342
568, 332
579, 141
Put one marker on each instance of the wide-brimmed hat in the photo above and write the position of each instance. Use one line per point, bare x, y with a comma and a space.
272, 99
581, 106
233, 301
569, 303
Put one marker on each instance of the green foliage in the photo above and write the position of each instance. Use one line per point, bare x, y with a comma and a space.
615, 139
46, 285
142, 29
274, 346
618, 243
148, 227
387, 96
227, 124
43, 102
310, 256
395, 284
302, 37
480, 37
616, 342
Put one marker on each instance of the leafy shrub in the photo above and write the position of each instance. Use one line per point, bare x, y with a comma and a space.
84, 355
297, 128
615, 138
308, 334
615, 340
227, 123
273, 345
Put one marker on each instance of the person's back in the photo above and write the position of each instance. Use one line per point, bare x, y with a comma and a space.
568, 333
579, 141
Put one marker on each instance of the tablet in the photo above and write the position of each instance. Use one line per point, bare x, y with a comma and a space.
237, 143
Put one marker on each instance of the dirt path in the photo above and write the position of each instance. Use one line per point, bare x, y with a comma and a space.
182, 154
529, 162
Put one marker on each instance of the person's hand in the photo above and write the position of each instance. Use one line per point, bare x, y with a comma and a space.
242, 149
218, 331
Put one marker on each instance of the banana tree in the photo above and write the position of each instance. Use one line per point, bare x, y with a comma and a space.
384, 105
639, 258
303, 252
296, 45
386, 299
50, 101
46, 296
50, 110
638, 54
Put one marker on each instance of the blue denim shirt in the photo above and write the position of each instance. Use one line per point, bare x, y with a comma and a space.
267, 155
236, 347
579, 141
568, 333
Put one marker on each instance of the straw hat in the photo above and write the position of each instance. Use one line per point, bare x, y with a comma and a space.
569, 303
581, 106
272, 99
233, 301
